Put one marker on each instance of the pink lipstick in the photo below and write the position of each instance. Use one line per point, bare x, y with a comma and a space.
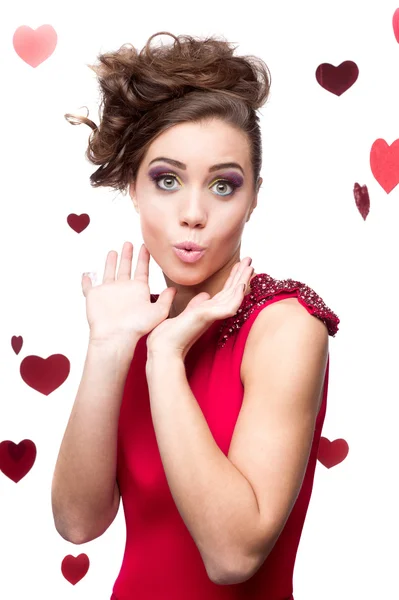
189, 251
189, 256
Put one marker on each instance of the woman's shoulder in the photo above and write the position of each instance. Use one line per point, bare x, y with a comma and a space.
266, 289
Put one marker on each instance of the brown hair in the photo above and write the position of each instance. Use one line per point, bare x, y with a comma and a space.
145, 93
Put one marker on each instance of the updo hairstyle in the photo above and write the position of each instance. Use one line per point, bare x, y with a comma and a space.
145, 93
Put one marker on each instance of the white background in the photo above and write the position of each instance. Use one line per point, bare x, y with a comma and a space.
306, 226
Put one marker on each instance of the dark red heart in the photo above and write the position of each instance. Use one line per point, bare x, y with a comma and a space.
78, 222
75, 568
337, 80
16, 460
362, 199
45, 374
332, 453
16, 343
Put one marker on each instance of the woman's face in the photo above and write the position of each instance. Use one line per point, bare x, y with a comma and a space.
194, 200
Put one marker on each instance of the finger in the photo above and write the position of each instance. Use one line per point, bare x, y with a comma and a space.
165, 299
241, 280
240, 289
86, 284
229, 280
198, 299
245, 277
125, 264
110, 266
142, 266
238, 274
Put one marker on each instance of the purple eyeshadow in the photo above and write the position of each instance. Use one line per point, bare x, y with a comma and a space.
156, 171
235, 179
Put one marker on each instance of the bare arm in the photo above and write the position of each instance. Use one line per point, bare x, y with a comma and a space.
85, 496
236, 506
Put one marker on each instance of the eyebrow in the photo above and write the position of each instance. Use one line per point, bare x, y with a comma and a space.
180, 165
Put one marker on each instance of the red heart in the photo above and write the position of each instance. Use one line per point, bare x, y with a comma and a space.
16, 343
34, 46
362, 199
395, 24
78, 222
337, 79
16, 460
45, 374
332, 453
384, 163
74, 569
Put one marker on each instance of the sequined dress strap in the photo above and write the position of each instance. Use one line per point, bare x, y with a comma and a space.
263, 289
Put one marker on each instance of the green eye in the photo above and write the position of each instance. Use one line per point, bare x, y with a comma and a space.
172, 176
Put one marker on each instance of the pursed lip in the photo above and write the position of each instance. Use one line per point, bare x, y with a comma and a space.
189, 246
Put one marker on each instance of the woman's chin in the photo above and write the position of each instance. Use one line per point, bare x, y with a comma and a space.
186, 277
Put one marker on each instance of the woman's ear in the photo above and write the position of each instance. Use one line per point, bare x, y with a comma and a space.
132, 194
254, 205
255, 200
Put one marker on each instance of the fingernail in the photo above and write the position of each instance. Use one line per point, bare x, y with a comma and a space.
92, 275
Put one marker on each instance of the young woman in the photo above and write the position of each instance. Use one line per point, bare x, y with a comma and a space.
201, 407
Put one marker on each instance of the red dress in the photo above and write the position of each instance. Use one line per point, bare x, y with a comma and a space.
161, 560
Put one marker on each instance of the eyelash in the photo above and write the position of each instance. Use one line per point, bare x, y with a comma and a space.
157, 178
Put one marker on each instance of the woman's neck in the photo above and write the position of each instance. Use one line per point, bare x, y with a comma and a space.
173, 313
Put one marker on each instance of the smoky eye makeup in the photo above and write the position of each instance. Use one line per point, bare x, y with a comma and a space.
158, 172
231, 177
234, 178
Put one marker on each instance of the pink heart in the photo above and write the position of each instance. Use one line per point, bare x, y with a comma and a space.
395, 24
384, 163
34, 46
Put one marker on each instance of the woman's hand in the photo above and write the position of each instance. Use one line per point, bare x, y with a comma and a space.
120, 309
178, 334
